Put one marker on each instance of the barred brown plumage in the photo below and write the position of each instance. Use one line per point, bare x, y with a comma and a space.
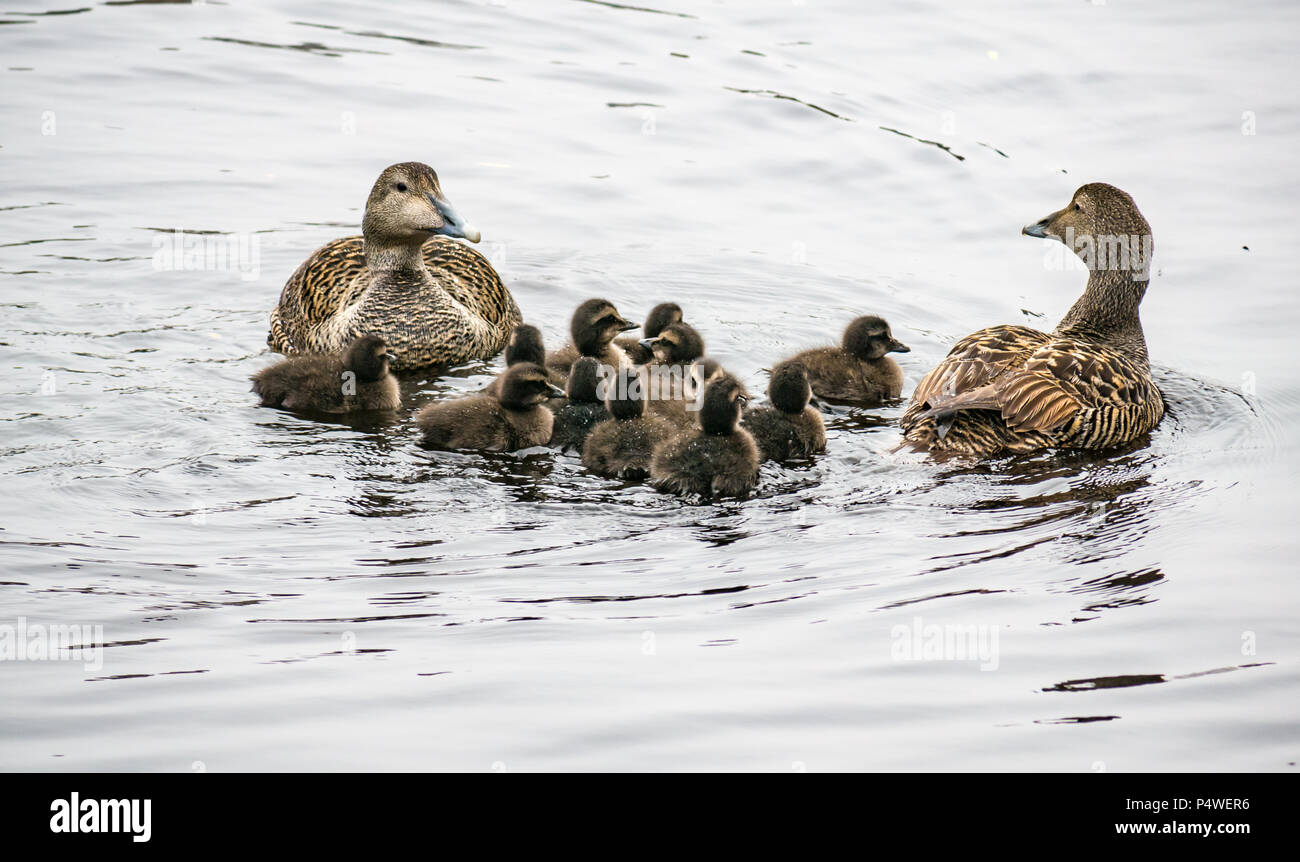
1086, 385
434, 300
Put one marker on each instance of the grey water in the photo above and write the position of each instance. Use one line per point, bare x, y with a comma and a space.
275, 592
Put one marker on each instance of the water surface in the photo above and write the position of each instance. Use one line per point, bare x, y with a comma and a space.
283, 593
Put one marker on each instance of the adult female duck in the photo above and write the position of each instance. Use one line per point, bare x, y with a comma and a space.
1087, 385
434, 301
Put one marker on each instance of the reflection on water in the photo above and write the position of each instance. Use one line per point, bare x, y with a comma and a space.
777, 170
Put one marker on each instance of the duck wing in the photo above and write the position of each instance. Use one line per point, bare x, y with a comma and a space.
1075, 390
973, 365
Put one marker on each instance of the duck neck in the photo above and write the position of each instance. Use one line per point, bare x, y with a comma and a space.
401, 260
1108, 312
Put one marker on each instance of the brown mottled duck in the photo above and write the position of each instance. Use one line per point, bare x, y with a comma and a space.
435, 301
1085, 385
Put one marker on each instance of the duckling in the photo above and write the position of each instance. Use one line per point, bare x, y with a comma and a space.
525, 345
1085, 385
343, 383
719, 458
789, 428
434, 301
514, 419
661, 316
673, 378
592, 328
581, 409
621, 446
857, 371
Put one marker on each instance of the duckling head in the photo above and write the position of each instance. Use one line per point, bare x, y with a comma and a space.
594, 326
627, 394
584, 380
662, 316
406, 206
678, 343
868, 337
525, 345
368, 358
525, 385
789, 389
1100, 219
724, 401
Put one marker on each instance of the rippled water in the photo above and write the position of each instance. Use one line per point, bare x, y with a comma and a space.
281, 593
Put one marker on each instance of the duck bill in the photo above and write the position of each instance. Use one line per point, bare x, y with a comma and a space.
627, 324
648, 343
1041, 228
452, 223
555, 391
896, 346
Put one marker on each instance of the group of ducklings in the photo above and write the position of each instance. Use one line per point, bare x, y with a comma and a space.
653, 407
406, 295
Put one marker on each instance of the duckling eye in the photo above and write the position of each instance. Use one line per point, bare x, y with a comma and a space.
401, 187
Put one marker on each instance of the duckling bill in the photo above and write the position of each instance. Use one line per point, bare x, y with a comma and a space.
357, 380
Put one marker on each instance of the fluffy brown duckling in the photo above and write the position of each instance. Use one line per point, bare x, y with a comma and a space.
581, 409
621, 446
356, 380
515, 418
662, 316
525, 345
788, 428
592, 330
674, 379
1085, 385
717, 459
857, 371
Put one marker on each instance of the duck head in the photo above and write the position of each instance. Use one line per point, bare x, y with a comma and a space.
868, 337
662, 316
678, 343
584, 380
724, 401
789, 389
594, 326
368, 358
525, 385
525, 345
1102, 225
626, 397
407, 206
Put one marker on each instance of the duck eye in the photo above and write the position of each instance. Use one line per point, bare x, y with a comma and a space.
1078, 207
401, 187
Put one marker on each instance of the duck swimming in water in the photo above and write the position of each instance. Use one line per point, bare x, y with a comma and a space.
858, 371
1085, 385
621, 446
662, 316
435, 301
514, 419
789, 428
592, 329
581, 409
718, 458
343, 383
